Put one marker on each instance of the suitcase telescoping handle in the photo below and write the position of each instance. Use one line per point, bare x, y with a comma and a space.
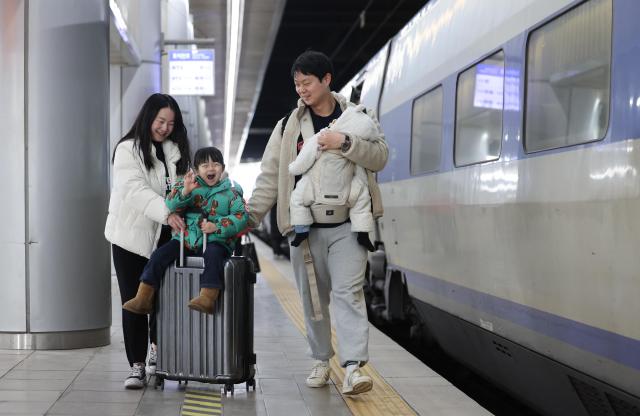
204, 246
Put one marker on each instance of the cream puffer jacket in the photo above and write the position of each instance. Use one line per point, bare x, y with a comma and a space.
332, 179
137, 208
275, 183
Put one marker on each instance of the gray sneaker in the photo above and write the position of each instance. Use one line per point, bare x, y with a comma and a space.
355, 383
137, 377
320, 374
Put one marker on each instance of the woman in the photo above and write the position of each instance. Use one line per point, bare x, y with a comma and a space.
146, 161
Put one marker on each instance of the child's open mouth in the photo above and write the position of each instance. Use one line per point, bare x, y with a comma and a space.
211, 177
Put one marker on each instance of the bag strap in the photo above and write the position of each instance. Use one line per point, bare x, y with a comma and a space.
313, 282
284, 122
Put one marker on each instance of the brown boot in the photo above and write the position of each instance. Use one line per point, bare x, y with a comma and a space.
206, 301
143, 302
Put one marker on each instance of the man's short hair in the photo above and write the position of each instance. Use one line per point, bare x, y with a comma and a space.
312, 63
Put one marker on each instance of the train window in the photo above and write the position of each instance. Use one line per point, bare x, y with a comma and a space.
568, 78
426, 132
479, 109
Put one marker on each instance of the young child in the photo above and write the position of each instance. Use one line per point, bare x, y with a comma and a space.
212, 206
331, 179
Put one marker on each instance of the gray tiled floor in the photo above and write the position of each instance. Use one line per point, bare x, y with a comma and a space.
90, 381
422, 388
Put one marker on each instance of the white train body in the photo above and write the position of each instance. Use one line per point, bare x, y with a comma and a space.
538, 251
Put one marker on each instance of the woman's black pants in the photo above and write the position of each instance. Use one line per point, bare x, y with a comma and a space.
138, 330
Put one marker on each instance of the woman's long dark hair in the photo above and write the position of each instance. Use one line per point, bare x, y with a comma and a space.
141, 132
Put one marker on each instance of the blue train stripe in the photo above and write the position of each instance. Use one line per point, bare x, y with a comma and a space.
616, 347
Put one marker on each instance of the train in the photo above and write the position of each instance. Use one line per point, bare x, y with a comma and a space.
511, 231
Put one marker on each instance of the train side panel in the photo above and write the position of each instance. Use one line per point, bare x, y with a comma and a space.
539, 249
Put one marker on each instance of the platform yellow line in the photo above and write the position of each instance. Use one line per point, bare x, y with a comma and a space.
382, 400
209, 397
189, 413
200, 411
200, 403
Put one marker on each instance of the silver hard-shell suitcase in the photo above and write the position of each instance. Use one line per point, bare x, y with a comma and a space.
195, 346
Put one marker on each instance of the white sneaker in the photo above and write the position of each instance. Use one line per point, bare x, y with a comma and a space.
355, 383
320, 374
137, 377
153, 359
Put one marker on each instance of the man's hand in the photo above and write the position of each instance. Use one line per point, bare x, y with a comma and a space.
329, 139
208, 227
190, 183
176, 222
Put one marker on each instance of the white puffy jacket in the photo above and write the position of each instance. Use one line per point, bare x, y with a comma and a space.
137, 208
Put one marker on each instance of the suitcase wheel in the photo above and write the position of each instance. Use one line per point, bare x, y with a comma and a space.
251, 383
158, 383
228, 388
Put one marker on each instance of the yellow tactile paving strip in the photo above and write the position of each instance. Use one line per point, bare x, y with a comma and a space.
200, 403
383, 400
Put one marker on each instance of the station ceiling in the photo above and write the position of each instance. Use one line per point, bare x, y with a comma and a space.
260, 25
274, 32
348, 31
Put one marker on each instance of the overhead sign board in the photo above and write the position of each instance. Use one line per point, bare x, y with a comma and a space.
191, 72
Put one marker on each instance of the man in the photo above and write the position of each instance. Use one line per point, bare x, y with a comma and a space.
339, 260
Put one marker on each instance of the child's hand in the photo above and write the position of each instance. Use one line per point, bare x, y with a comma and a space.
208, 227
190, 183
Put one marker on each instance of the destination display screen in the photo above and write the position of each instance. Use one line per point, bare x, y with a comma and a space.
191, 72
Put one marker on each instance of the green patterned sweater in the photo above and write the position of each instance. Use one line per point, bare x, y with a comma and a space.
221, 204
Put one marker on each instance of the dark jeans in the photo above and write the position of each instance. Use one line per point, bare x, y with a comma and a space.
214, 258
137, 329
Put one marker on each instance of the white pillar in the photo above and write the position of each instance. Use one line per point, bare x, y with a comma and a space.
13, 305
56, 280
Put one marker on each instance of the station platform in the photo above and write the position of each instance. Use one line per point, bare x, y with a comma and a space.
90, 381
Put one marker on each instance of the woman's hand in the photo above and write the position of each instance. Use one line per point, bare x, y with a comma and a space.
208, 227
190, 183
176, 222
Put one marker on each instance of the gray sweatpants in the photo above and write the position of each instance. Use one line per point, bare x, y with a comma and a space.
340, 264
